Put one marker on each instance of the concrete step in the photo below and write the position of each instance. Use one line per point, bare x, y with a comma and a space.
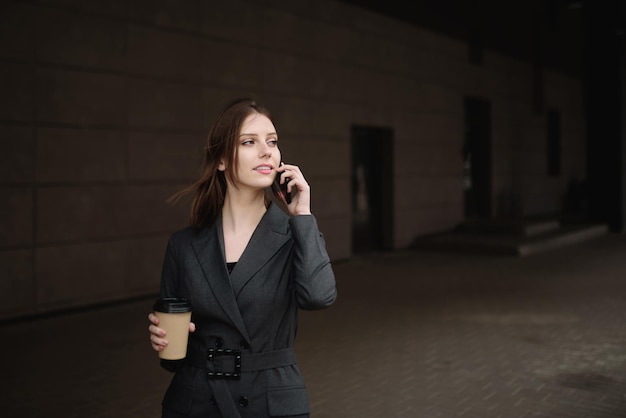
526, 227
567, 235
544, 238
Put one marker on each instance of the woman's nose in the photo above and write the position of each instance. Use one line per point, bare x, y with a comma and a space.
265, 150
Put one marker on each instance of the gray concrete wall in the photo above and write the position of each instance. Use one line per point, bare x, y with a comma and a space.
520, 147
106, 104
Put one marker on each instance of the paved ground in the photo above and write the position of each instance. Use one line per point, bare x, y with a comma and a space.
413, 334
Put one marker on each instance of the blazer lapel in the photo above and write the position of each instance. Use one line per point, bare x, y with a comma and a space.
268, 237
209, 251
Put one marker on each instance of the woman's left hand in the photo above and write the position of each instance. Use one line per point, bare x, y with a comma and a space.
298, 187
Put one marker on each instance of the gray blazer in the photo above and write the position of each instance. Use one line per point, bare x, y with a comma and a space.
240, 360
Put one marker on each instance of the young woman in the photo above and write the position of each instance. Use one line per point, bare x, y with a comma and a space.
247, 267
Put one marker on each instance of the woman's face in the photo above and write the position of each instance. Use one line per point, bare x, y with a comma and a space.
258, 155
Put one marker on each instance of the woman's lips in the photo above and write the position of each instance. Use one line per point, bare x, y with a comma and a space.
264, 169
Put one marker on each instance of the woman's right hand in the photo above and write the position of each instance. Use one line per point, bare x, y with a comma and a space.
157, 335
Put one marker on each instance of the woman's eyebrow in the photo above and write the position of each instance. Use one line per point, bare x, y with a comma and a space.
268, 134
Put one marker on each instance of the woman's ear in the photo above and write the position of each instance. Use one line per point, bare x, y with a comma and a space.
221, 166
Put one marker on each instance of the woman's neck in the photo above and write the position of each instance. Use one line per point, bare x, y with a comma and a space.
242, 211
241, 214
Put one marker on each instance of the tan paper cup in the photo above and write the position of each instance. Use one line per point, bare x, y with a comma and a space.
174, 317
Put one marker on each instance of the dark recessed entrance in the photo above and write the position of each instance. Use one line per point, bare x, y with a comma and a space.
477, 159
372, 189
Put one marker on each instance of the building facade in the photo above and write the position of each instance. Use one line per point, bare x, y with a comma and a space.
400, 130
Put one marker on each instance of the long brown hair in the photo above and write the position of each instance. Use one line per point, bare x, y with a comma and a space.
210, 189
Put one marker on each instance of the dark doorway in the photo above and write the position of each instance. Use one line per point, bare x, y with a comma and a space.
477, 158
372, 189
554, 143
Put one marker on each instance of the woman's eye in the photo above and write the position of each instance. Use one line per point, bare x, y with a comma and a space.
247, 142
272, 142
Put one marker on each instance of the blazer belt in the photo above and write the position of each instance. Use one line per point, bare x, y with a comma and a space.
225, 363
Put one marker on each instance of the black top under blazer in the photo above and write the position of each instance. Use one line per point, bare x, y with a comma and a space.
251, 312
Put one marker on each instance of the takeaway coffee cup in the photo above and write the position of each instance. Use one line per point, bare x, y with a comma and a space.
174, 317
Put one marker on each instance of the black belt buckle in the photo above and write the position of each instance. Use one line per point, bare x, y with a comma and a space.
218, 352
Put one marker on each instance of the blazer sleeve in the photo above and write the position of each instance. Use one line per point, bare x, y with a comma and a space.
169, 288
313, 275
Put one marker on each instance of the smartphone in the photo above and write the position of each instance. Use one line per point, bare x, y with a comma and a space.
283, 187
